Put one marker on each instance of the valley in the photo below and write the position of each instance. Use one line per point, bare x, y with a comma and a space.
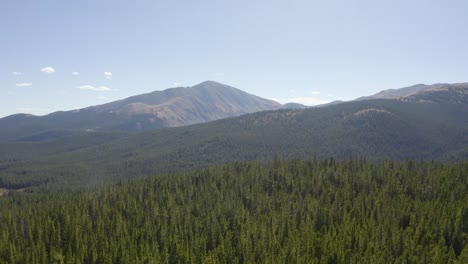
233, 132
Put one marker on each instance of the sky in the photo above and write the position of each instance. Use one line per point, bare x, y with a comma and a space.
63, 55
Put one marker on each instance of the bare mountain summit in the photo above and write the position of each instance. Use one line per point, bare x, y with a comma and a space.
180, 106
401, 92
172, 107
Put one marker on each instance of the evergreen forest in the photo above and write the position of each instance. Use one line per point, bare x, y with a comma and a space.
278, 211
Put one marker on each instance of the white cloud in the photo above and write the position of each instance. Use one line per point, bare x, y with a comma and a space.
102, 89
315, 92
75, 73
16, 73
306, 100
86, 87
48, 70
176, 84
23, 84
108, 75
92, 88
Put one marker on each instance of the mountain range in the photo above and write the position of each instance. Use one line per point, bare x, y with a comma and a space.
429, 125
406, 91
207, 101
173, 107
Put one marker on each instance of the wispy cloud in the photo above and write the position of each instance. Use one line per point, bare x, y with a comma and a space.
176, 84
48, 70
75, 73
16, 73
108, 75
23, 84
92, 88
315, 92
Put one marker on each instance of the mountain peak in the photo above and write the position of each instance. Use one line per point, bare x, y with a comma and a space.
210, 83
207, 101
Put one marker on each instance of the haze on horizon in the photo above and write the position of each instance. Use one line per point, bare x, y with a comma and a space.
60, 55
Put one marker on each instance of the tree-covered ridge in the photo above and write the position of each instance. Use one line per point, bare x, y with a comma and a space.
374, 129
313, 211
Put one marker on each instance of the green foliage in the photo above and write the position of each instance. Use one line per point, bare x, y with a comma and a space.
313, 211
396, 130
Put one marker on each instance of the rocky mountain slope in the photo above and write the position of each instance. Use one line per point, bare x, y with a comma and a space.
173, 107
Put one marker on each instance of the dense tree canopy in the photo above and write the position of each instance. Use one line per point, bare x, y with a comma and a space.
313, 211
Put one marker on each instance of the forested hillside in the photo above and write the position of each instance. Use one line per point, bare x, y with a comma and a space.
375, 129
313, 211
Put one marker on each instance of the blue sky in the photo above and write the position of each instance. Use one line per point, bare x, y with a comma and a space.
305, 51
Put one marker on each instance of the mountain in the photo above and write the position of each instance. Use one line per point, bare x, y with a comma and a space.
378, 129
448, 93
402, 92
173, 107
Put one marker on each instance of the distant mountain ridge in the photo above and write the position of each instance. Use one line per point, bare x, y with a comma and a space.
427, 126
207, 101
448, 93
401, 92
